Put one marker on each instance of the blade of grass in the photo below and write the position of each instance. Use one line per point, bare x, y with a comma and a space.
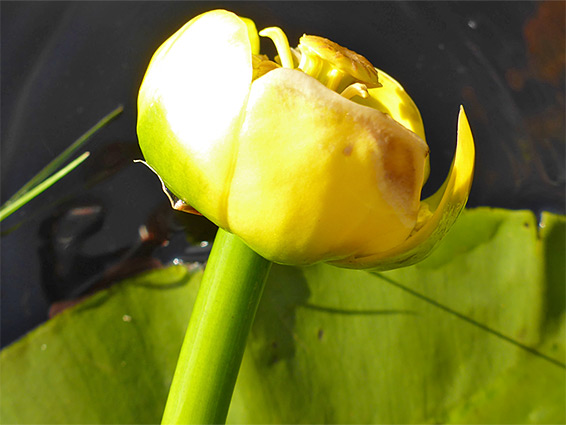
8, 209
62, 157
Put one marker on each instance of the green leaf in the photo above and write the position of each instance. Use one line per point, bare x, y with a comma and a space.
108, 360
473, 334
460, 337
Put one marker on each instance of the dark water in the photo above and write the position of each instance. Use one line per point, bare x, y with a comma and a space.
65, 65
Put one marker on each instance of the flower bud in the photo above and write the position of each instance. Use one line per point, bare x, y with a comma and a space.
315, 156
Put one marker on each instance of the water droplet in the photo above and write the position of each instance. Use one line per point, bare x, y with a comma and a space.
472, 24
177, 261
441, 46
126, 318
204, 244
43, 347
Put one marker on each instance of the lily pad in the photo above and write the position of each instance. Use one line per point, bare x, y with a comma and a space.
110, 359
473, 334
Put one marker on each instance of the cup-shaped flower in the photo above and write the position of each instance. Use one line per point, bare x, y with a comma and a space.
317, 156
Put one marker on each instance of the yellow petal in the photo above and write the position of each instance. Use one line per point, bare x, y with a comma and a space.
392, 99
252, 35
190, 108
447, 204
319, 177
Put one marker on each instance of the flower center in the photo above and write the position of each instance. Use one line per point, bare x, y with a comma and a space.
338, 68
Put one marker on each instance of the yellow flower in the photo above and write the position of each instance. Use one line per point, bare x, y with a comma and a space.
316, 156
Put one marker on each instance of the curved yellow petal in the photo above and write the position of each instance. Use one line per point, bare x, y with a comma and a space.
319, 177
252, 35
446, 205
190, 108
392, 99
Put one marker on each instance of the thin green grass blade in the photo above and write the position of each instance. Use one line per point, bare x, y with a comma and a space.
30, 194
62, 157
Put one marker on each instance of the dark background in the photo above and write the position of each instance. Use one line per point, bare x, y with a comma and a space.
64, 65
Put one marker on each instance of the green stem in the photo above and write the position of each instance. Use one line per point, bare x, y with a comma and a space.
214, 344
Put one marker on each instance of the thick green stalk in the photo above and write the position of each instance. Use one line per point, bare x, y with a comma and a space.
214, 344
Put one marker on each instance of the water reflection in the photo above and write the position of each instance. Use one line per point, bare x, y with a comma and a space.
75, 262
68, 273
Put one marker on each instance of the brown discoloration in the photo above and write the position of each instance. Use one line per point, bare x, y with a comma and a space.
176, 203
399, 168
399, 151
347, 151
184, 207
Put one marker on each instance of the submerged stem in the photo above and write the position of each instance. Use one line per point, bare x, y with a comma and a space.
214, 344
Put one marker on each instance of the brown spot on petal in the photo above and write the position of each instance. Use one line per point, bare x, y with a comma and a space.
176, 203
180, 205
399, 168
